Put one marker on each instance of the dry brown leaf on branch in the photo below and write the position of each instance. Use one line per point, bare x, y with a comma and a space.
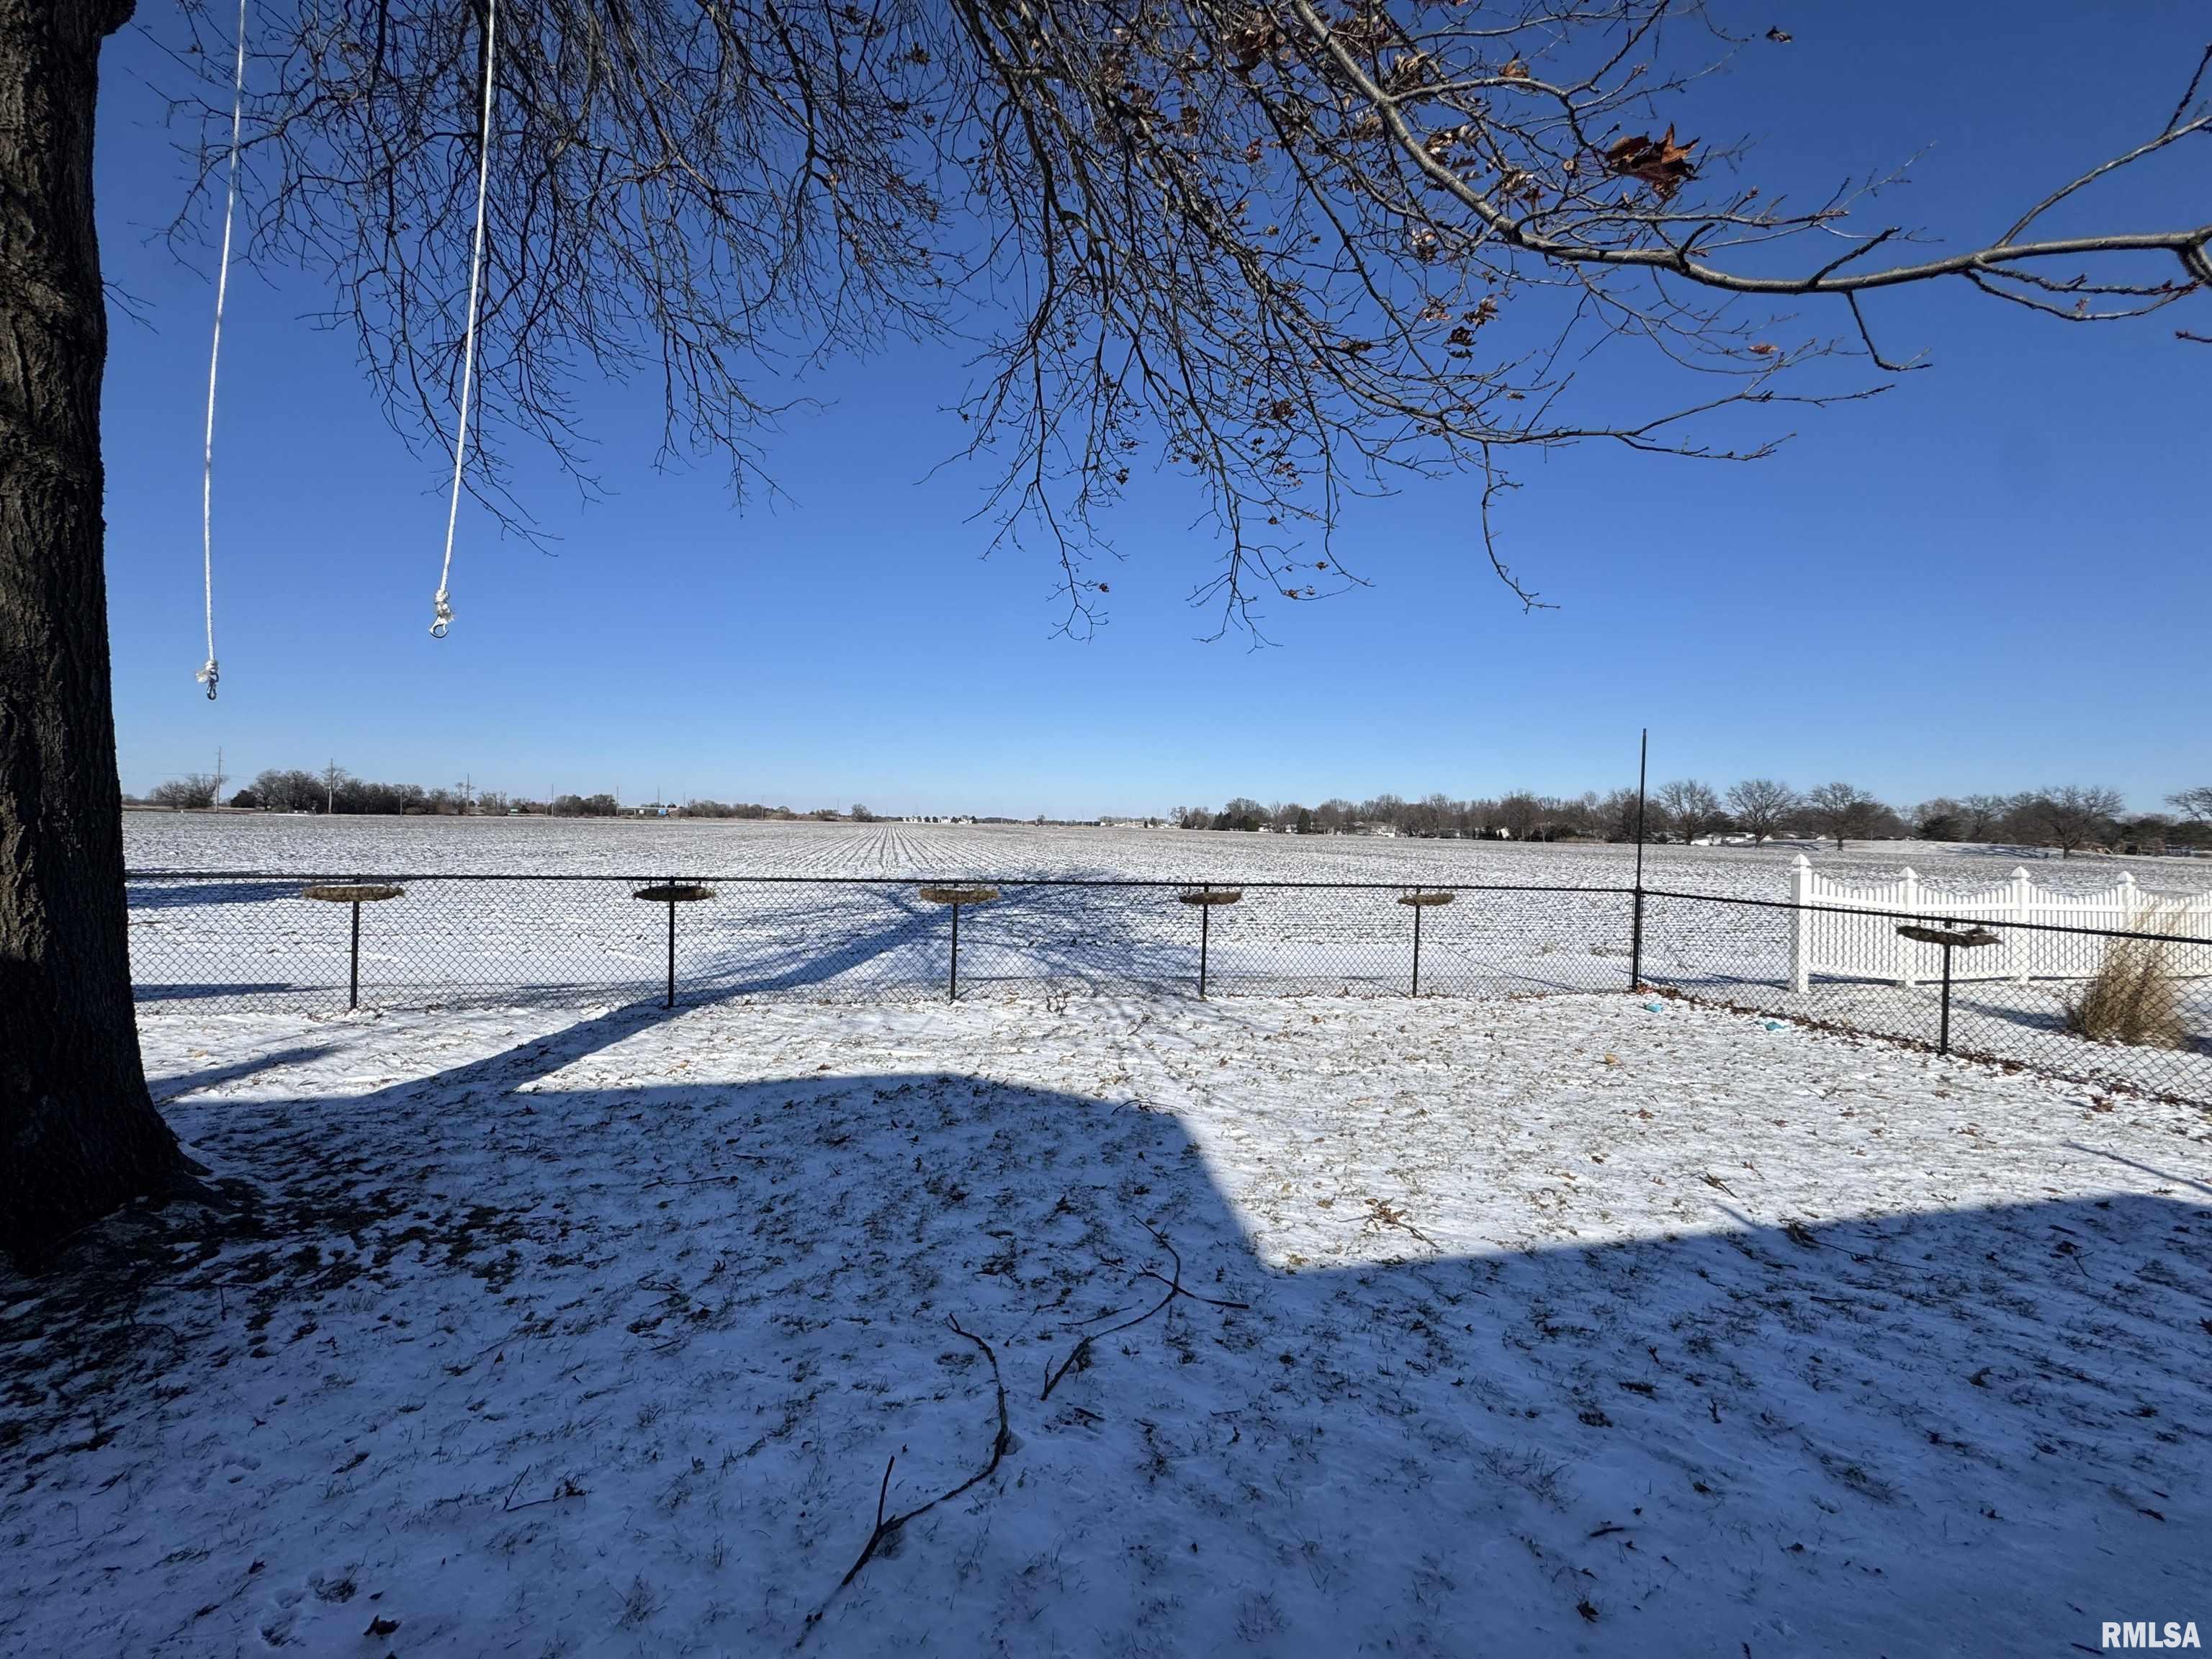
1662, 164
1781, 37
1515, 70
1365, 31
1249, 44
1408, 69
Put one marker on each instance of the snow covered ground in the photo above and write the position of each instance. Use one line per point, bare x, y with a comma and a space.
1555, 1324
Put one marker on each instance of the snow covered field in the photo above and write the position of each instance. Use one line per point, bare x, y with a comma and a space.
1558, 1324
694, 848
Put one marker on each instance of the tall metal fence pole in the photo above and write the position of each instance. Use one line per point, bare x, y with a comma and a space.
1636, 915
671, 1003
952, 985
353, 978
1417, 910
1205, 926
1943, 1037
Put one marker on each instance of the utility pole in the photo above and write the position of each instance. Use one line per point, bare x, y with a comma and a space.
218, 801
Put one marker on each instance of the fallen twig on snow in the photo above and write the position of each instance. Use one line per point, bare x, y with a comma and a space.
886, 1526
1380, 1213
567, 1488
696, 1181
1080, 1355
1077, 1355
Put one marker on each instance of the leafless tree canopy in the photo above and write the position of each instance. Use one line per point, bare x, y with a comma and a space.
2071, 816
1693, 808
1980, 815
1762, 806
1295, 250
1844, 812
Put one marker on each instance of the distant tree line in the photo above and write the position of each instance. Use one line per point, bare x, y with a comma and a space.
742, 809
2070, 817
334, 789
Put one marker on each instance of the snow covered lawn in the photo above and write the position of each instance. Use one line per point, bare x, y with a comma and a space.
1558, 1324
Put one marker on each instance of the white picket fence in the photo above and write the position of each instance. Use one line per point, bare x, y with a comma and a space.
1869, 947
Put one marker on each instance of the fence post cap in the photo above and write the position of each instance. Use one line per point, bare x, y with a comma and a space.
1800, 858
2020, 873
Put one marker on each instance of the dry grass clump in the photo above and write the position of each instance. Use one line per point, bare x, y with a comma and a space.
2131, 998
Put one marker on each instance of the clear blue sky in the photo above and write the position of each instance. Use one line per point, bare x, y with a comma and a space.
1991, 577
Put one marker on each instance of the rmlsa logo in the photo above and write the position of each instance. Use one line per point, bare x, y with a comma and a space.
2149, 1635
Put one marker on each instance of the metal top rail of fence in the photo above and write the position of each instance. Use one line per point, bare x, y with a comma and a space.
252, 939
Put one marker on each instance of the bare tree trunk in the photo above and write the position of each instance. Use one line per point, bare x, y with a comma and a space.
78, 1133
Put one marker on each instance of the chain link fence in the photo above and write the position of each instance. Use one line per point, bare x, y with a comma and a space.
257, 941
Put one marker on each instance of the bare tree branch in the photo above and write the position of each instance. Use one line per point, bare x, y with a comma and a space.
1289, 257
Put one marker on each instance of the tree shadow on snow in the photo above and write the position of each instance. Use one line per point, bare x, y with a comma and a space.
156, 892
167, 1089
781, 1309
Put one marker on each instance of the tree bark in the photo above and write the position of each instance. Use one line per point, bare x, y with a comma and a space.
78, 1133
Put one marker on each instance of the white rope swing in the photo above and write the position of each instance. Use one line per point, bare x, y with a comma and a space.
442, 608
211, 674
